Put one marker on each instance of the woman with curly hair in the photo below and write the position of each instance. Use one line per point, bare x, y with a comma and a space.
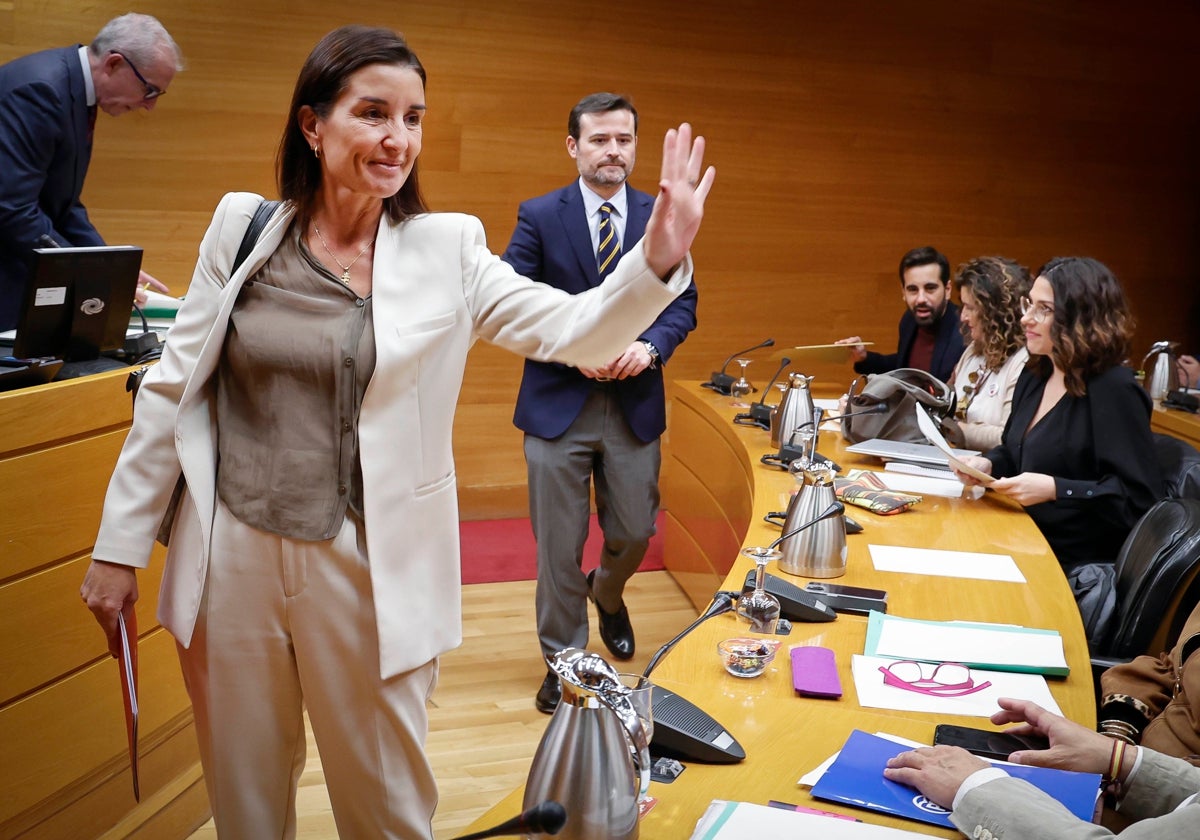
990, 289
1076, 451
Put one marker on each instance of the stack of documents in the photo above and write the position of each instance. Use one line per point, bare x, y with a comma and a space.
998, 647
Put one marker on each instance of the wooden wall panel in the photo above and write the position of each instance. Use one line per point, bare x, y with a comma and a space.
843, 134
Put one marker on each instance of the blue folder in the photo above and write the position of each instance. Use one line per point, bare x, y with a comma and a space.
856, 778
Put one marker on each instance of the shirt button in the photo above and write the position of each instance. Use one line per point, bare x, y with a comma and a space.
1089, 492
349, 362
341, 489
346, 426
360, 302
1070, 492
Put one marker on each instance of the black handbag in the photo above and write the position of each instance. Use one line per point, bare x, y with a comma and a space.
901, 391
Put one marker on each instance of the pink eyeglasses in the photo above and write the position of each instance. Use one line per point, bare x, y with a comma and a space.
947, 679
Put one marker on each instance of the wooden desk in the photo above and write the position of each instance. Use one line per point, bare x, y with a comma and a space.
716, 492
1180, 424
64, 767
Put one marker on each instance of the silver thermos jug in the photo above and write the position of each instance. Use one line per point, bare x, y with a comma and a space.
794, 410
594, 757
819, 551
1164, 377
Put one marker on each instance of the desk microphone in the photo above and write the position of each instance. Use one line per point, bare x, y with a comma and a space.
544, 818
835, 508
681, 728
760, 413
789, 451
720, 380
722, 603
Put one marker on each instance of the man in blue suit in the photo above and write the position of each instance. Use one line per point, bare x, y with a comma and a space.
48, 105
587, 426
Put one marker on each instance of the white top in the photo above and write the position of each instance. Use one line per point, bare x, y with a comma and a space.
990, 399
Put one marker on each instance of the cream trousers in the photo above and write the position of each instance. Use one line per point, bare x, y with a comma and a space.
286, 624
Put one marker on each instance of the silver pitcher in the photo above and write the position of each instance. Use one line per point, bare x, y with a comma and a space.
1164, 378
794, 410
595, 755
819, 551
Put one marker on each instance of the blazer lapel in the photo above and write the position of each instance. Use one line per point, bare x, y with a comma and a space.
575, 225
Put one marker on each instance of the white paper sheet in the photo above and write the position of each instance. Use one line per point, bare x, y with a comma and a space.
933, 561
873, 693
930, 430
730, 821
922, 485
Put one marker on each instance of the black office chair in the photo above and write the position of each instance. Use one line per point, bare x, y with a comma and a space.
1179, 463
1157, 583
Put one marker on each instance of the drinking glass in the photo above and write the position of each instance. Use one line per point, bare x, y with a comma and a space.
641, 693
741, 386
757, 606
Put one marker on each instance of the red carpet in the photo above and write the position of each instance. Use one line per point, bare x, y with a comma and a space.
503, 549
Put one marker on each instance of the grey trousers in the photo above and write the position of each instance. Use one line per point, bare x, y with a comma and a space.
598, 448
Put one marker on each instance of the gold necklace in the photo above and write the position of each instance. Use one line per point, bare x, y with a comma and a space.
345, 278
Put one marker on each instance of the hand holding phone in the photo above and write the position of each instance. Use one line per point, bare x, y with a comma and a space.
984, 743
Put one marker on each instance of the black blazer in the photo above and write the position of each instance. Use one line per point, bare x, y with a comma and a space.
44, 156
553, 244
948, 346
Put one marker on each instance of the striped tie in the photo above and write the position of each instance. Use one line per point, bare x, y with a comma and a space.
610, 245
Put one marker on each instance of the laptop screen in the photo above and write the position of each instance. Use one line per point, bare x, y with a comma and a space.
77, 302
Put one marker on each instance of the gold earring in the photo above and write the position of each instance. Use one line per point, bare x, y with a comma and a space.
316, 151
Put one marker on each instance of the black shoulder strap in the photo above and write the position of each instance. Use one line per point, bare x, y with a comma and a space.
262, 215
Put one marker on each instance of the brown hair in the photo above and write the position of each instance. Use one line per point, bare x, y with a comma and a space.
1092, 323
323, 78
997, 284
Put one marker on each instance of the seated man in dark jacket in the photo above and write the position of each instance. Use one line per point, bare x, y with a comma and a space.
929, 335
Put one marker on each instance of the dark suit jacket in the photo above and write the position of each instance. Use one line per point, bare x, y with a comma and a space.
947, 347
552, 244
44, 156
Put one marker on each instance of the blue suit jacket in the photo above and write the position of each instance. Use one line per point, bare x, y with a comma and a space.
947, 347
553, 244
44, 156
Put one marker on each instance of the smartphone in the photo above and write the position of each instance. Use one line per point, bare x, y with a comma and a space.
849, 599
985, 743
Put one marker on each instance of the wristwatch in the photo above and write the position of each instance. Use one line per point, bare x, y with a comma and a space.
653, 351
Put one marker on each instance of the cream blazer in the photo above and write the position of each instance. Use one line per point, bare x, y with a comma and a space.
436, 289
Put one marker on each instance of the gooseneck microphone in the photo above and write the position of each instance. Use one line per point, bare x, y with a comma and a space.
544, 818
760, 413
722, 603
720, 380
789, 451
834, 509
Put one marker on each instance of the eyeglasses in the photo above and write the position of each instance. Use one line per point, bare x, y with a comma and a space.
948, 679
152, 91
1038, 312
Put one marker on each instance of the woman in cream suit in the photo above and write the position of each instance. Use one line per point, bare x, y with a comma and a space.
307, 400
1159, 793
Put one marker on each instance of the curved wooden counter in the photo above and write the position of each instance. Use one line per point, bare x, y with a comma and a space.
716, 491
64, 768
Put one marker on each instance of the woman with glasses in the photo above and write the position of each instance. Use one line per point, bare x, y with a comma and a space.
301, 416
1077, 451
985, 377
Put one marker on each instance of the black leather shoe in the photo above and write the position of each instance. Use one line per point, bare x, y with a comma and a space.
615, 629
549, 694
